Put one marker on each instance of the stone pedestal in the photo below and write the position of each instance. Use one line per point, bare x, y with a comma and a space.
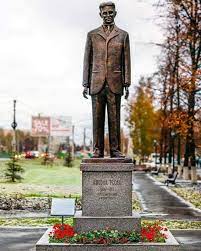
122, 224
107, 188
106, 196
107, 203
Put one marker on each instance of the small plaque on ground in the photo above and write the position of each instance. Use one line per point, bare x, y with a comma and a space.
63, 207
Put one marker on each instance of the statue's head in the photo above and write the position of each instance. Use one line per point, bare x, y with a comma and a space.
107, 12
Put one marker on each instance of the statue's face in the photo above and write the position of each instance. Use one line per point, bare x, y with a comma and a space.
108, 14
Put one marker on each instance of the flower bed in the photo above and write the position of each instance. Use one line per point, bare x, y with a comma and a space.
150, 232
18, 201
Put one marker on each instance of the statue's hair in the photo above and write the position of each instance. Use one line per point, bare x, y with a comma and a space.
102, 5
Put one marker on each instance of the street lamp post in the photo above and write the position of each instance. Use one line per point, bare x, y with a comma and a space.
14, 125
173, 134
155, 149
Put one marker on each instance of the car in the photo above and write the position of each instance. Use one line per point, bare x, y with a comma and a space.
35, 153
31, 154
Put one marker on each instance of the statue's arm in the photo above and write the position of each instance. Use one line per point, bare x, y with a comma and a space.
87, 62
127, 62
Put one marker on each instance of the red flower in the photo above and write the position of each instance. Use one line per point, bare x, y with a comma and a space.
62, 231
153, 233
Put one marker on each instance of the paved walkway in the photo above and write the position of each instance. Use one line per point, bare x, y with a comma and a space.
19, 239
157, 200
22, 239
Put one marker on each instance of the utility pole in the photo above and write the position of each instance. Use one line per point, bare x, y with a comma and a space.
73, 134
84, 140
155, 149
39, 139
173, 135
14, 125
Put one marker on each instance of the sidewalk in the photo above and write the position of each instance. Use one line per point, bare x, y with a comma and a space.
19, 239
159, 201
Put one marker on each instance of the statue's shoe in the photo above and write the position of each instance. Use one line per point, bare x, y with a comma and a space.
98, 154
117, 154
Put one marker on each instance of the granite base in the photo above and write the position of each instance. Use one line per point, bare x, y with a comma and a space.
170, 245
106, 188
124, 223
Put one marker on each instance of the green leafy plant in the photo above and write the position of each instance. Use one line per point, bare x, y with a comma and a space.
106, 237
13, 169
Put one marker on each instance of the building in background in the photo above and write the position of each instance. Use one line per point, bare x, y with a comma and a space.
56, 130
60, 132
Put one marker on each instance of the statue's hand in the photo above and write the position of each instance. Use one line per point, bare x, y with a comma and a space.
126, 92
85, 92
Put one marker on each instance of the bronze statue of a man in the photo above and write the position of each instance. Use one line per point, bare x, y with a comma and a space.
106, 75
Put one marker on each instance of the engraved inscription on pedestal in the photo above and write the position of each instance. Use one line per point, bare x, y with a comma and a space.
106, 189
107, 193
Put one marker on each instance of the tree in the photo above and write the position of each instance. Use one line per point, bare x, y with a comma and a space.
190, 11
25, 142
181, 66
13, 169
68, 160
142, 119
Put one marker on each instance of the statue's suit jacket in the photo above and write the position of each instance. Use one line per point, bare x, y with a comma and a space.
107, 58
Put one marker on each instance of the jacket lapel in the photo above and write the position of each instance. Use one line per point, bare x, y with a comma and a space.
114, 33
102, 33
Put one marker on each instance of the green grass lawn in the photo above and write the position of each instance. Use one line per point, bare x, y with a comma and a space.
40, 179
38, 174
45, 222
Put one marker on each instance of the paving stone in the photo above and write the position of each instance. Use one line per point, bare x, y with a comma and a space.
156, 199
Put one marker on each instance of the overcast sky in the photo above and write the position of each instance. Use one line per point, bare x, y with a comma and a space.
41, 54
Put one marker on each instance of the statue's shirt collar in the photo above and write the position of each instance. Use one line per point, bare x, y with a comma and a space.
108, 28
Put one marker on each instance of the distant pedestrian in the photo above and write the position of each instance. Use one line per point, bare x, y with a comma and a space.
199, 162
196, 161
